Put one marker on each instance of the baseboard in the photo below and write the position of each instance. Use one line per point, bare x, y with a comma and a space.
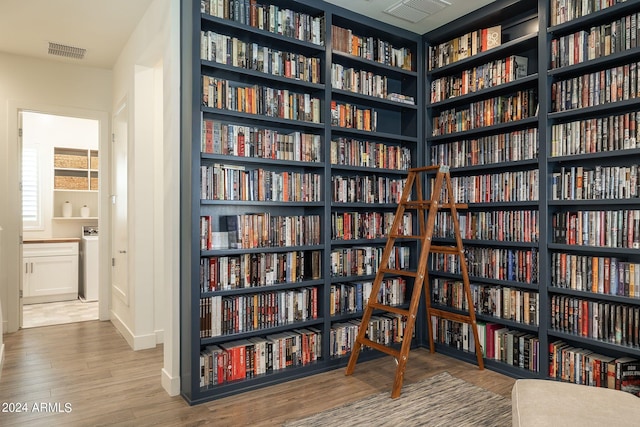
170, 384
159, 336
136, 342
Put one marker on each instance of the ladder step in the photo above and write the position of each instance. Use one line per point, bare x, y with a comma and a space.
426, 204
453, 250
390, 308
443, 314
406, 236
399, 272
380, 347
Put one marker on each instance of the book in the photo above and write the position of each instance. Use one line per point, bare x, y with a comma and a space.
493, 37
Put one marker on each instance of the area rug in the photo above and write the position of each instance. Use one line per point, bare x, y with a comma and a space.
442, 400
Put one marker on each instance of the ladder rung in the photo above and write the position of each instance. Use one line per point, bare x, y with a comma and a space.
443, 314
383, 348
457, 205
389, 308
406, 236
425, 204
417, 204
453, 250
399, 272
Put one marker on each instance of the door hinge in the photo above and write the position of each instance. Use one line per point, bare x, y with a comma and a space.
113, 137
113, 262
20, 132
20, 293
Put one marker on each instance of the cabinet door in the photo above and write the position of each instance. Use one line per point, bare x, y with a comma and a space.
51, 275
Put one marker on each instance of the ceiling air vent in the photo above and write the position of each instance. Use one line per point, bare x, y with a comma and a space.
416, 10
66, 51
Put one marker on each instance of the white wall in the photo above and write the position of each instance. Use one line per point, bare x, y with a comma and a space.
48, 86
147, 75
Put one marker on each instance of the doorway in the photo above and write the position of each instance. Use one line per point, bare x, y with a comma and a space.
60, 215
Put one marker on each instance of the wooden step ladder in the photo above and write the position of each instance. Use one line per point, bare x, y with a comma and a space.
441, 200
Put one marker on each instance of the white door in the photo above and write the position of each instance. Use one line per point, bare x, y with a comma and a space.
119, 233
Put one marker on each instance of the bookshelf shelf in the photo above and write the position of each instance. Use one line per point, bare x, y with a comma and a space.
523, 43
528, 81
494, 129
608, 13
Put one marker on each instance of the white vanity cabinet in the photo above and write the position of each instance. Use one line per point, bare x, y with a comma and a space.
50, 271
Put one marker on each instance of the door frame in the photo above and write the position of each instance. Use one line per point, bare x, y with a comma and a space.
13, 230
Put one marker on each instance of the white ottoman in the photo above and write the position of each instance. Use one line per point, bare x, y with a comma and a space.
554, 403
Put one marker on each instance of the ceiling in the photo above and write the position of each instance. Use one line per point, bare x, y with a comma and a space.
102, 27
412, 9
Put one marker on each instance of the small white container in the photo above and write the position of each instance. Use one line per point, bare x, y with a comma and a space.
84, 211
67, 209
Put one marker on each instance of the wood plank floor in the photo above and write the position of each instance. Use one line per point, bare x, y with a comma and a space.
90, 367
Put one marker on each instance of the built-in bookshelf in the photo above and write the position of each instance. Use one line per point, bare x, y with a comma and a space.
593, 214
295, 153
482, 122
300, 122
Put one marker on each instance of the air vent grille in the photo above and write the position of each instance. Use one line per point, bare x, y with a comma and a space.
66, 51
416, 10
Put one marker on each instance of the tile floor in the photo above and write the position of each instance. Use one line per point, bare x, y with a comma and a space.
56, 313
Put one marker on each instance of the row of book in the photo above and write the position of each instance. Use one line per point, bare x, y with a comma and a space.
353, 117
233, 182
464, 46
611, 133
598, 41
599, 182
519, 265
488, 112
519, 186
219, 273
223, 49
358, 81
515, 348
242, 313
505, 147
268, 17
599, 320
504, 226
597, 274
255, 356
612, 228
368, 154
498, 301
365, 260
491, 74
352, 297
366, 189
370, 48
260, 230
582, 366
386, 329
249, 141
367, 225
597, 88
261, 100
566, 10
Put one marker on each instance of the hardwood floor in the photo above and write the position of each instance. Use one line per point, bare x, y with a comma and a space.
90, 368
